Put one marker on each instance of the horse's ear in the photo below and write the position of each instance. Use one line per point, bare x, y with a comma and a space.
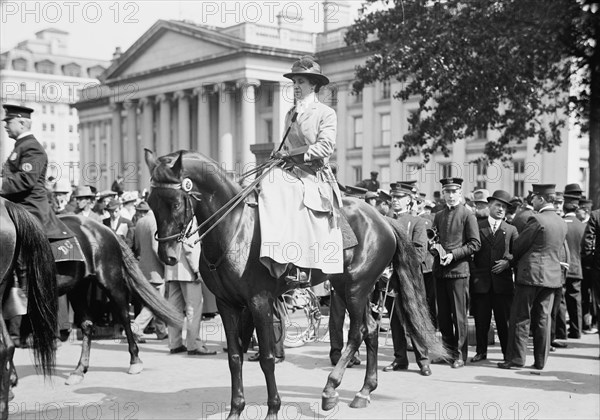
150, 159
177, 167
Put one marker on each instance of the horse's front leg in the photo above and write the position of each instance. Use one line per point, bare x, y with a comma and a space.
262, 312
231, 318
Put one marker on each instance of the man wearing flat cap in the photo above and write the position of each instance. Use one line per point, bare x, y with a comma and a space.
480, 201
459, 237
24, 173
539, 252
491, 284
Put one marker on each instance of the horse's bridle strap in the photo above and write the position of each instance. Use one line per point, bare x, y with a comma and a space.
172, 186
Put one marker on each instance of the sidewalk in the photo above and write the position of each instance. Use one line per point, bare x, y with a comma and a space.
183, 387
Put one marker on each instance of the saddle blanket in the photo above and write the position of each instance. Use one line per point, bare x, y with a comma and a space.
67, 250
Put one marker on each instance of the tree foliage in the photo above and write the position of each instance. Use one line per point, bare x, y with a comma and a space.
505, 65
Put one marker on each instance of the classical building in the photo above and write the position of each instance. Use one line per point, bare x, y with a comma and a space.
40, 73
220, 91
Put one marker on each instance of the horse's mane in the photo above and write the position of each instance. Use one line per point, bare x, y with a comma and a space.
210, 168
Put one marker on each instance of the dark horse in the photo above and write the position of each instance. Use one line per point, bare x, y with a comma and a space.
187, 184
109, 263
21, 234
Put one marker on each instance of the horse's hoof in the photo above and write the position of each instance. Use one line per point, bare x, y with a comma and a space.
360, 401
329, 402
74, 379
135, 368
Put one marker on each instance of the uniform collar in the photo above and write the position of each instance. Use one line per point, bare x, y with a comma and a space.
547, 207
25, 134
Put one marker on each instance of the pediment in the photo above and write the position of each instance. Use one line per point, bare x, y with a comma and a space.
168, 48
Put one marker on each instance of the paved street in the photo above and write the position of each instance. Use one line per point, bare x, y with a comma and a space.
183, 387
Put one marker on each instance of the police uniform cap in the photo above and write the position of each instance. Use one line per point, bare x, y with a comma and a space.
400, 189
16, 111
355, 191
540, 189
374, 173
451, 183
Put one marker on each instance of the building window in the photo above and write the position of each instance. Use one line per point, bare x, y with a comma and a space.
52, 146
270, 95
519, 178
23, 87
269, 128
386, 129
20, 64
481, 135
481, 174
71, 147
52, 109
70, 129
44, 127
45, 66
45, 145
357, 171
384, 177
385, 89
358, 97
52, 128
72, 69
43, 109
445, 170
358, 132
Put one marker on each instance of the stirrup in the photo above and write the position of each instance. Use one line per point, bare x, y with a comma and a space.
301, 279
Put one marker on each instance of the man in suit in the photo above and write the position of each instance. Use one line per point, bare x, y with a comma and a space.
575, 229
538, 252
590, 254
121, 226
491, 286
415, 229
459, 238
370, 184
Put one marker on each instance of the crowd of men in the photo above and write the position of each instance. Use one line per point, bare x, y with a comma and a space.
529, 261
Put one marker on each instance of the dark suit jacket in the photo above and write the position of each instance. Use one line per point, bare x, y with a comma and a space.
539, 249
494, 247
575, 229
414, 227
590, 243
459, 234
520, 219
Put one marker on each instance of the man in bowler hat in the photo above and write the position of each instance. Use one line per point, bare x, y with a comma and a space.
538, 252
491, 287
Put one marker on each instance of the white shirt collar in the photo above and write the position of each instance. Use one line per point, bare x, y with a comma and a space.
547, 207
302, 104
491, 221
26, 133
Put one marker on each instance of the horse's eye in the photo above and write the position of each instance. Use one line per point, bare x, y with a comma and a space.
176, 205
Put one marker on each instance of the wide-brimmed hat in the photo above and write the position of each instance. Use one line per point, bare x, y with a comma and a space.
106, 193
63, 186
142, 206
501, 196
481, 196
84, 192
573, 190
307, 66
113, 204
355, 191
129, 196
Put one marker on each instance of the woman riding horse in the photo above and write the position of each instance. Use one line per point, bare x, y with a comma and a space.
304, 189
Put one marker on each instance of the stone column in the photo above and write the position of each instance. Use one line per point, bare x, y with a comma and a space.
163, 141
203, 141
130, 148
183, 118
147, 134
283, 100
248, 110
342, 132
84, 146
115, 167
226, 125
368, 130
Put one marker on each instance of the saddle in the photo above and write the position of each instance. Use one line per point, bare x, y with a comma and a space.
64, 244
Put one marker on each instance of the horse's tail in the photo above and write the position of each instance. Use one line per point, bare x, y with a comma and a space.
42, 300
138, 284
411, 300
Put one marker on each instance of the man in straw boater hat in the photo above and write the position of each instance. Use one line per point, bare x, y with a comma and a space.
539, 252
459, 238
491, 285
300, 201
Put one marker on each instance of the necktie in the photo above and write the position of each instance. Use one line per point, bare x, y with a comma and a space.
494, 227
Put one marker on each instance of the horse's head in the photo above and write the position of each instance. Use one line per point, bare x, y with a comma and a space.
172, 201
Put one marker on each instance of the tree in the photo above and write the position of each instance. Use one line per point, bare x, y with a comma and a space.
505, 65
